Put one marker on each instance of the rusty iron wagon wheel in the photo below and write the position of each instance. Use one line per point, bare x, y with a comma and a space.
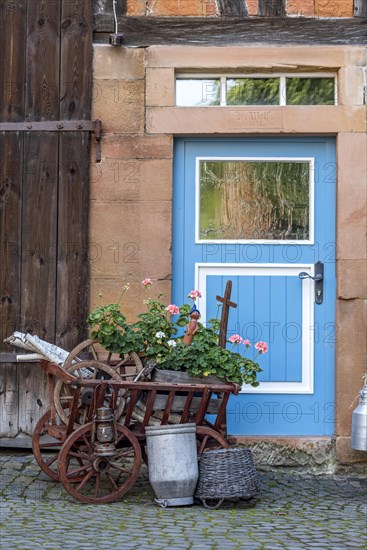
104, 478
63, 393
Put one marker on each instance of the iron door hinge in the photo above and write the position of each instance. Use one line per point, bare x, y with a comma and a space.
94, 126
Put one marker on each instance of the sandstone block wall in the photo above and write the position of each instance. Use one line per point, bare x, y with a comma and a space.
131, 190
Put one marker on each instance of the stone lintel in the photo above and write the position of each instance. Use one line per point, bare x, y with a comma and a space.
242, 120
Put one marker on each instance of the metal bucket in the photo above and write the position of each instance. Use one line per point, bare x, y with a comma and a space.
359, 424
172, 463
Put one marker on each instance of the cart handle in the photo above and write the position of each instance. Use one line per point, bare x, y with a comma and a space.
52, 368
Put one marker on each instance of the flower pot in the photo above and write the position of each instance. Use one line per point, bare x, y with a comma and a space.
177, 377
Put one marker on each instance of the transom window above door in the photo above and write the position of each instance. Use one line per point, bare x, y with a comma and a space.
259, 89
254, 199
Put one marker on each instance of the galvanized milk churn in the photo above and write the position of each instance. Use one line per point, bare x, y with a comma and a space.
359, 423
172, 463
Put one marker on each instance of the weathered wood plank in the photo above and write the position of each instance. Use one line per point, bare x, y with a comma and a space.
12, 77
147, 31
76, 88
7, 357
72, 261
12, 68
9, 400
360, 8
19, 442
179, 401
33, 396
11, 146
272, 8
42, 60
76, 60
39, 237
234, 8
28, 246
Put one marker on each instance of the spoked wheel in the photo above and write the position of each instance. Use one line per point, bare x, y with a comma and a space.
127, 367
46, 448
208, 440
93, 370
104, 479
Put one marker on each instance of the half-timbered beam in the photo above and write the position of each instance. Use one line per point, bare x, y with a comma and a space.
147, 31
236, 8
360, 8
272, 8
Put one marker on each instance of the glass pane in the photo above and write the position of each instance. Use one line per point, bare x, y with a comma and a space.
254, 200
198, 92
310, 91
253, 91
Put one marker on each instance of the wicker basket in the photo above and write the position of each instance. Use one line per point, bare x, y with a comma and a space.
226, 474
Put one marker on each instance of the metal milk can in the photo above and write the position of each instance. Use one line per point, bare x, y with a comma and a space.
359, 423
172, 463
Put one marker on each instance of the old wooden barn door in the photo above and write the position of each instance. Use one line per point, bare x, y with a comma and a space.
45, 96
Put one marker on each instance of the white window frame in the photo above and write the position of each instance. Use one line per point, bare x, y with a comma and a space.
311, 220
306, 386
282, 86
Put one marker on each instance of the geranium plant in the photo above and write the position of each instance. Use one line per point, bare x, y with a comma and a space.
158, 334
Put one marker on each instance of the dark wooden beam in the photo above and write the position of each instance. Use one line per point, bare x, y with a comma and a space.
206, 31
360, 8
272, 8
232, 8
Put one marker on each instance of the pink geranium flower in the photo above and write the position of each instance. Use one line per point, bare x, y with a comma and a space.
235, 339
172, 309
194, 294
147, 282
247, 343
262, 347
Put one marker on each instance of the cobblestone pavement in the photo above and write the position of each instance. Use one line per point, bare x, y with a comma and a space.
294, 511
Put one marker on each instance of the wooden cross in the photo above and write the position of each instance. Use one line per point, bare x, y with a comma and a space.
225, 313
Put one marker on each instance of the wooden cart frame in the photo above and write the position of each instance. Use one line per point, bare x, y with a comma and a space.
95, 470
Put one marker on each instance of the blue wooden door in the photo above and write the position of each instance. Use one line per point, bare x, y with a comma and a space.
260, 211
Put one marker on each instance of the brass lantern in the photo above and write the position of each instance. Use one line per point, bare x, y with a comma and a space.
104, 433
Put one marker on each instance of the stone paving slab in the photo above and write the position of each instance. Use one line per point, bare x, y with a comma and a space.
294, 511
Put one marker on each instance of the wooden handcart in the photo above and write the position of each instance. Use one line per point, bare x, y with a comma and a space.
92, 439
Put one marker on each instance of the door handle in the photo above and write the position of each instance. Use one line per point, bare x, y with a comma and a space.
319, 281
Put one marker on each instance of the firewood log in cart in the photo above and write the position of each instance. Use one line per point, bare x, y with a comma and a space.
99, 461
